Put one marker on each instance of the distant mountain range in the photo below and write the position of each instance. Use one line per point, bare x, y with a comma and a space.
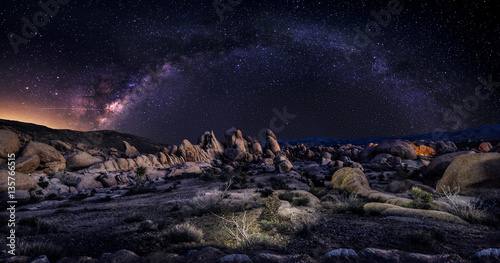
484, 133
102, 140
106, 139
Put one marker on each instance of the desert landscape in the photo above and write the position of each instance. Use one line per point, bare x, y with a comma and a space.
109, 197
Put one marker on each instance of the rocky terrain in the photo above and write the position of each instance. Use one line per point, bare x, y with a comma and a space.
109, 197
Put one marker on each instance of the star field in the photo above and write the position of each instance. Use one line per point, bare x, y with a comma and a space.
170, 71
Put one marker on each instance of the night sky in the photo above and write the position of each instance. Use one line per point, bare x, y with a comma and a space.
170, 70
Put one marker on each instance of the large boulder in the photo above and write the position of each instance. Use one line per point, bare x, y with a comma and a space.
81, 160
211, 145
192, 153
27, 164
234, 139
350, 179
23, 181
60, 145
472, 174
51, 160
272, 142
397, 148
9, 143
438, 165
130, 151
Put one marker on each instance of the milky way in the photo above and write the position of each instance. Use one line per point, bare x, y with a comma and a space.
169, 71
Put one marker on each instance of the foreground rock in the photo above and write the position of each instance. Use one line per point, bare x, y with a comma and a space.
23, 181
27, 164
51, 160
81, 160
393, 210
474, 174
438, 165
9, 143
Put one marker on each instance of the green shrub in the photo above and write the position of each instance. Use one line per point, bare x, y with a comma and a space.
287, 196
421, 198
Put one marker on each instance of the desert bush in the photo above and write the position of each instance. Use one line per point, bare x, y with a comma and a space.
421, 198
208, 202
183, 233
346, 202
141, 172
272, 205
35, 249
301, 201
278, 183
287, 196
146, 226
265, 192
471, 210
42, 226
295, 199
239, 228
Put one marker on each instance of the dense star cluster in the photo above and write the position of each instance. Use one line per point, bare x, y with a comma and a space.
169, 70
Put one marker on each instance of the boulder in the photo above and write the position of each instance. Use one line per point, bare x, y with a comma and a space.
211, 145
192, 153
61, 146
350, 179
188, 167
51, 159
235, 154
272, 142
395, 210
336, 254
438, 165
108, 180
121, 256
399, 186
273, 258
89, 183
206, 254
377, 255
81, 160
284, 166
130, 151
396, 148
23, 181
234, 139
9, 143
485, 147
234, 258
27, 164
477, 173
114, 152
82, 146
256, 147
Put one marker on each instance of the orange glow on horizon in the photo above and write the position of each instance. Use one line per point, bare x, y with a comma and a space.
52, 120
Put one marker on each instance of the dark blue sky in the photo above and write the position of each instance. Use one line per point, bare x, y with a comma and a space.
169, 71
